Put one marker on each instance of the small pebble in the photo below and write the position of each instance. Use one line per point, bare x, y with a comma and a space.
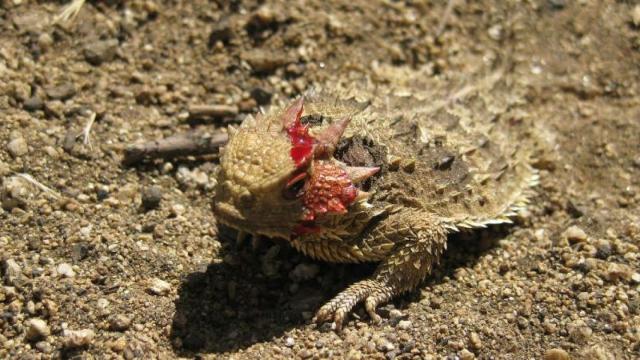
396, 315
20, 91
17, 147
405, 324
177, 210
289, 342
617, 272
579, 331
474, 341
61, 92
119, 323
37, 329
100, 51
151, 197
78, 338
44, 347
159, 287
65, 270
195, 177
466, 355
263, 60
45, 40
33, 104
12, 270
556, 354
118, 345
575, 234
495, 32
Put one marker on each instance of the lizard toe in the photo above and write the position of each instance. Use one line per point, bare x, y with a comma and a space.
371, 304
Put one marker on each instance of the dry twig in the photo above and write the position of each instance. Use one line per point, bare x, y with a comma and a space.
445, 17
192, 143
38, 184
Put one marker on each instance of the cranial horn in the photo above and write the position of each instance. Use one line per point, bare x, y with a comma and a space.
329, 137
358, 174
292, 114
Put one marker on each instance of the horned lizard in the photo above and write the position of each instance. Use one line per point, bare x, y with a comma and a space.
384, 180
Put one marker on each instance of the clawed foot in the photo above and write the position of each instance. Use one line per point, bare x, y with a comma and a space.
337, 309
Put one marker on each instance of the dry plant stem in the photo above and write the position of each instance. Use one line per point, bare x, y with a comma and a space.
69, 12
38, 184
445, 17
191, 143
86, 132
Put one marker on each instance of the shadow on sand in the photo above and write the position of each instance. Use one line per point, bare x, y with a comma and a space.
249, 297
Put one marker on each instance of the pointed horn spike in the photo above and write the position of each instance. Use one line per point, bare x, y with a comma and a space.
358, 174
292, 113
332, 134
329, 137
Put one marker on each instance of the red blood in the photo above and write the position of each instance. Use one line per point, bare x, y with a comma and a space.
302, 142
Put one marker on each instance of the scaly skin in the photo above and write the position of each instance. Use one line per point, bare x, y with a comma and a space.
432, 168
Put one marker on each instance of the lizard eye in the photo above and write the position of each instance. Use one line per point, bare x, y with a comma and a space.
294, 186
246, 200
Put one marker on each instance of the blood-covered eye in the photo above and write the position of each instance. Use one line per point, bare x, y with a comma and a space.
293, 188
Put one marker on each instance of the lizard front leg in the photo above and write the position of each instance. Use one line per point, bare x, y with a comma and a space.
419, 243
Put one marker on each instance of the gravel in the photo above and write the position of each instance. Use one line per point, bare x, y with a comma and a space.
119, 322
158, 276
78, 338
18, 147
159, 287
575, 234
151, 197
100, 51
37, 329
62, 92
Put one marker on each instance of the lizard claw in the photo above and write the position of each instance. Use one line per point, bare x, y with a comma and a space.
338, 308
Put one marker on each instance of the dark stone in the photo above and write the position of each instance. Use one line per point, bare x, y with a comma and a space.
61, 92
33, 104
261, 96
151, 197
100, 51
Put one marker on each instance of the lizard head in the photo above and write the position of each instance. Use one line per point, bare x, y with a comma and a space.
278, 179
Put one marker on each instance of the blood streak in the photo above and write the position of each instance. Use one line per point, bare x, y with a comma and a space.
302, 143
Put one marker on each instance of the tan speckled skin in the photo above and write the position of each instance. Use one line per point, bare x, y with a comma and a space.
457, 163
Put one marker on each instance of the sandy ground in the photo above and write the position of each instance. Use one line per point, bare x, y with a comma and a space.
101, 260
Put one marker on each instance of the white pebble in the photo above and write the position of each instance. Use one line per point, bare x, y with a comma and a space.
159, 287
78, 338
65, 270
404, 325
37, 329
289, 342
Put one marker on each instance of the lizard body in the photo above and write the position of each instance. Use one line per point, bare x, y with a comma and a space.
350, 178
